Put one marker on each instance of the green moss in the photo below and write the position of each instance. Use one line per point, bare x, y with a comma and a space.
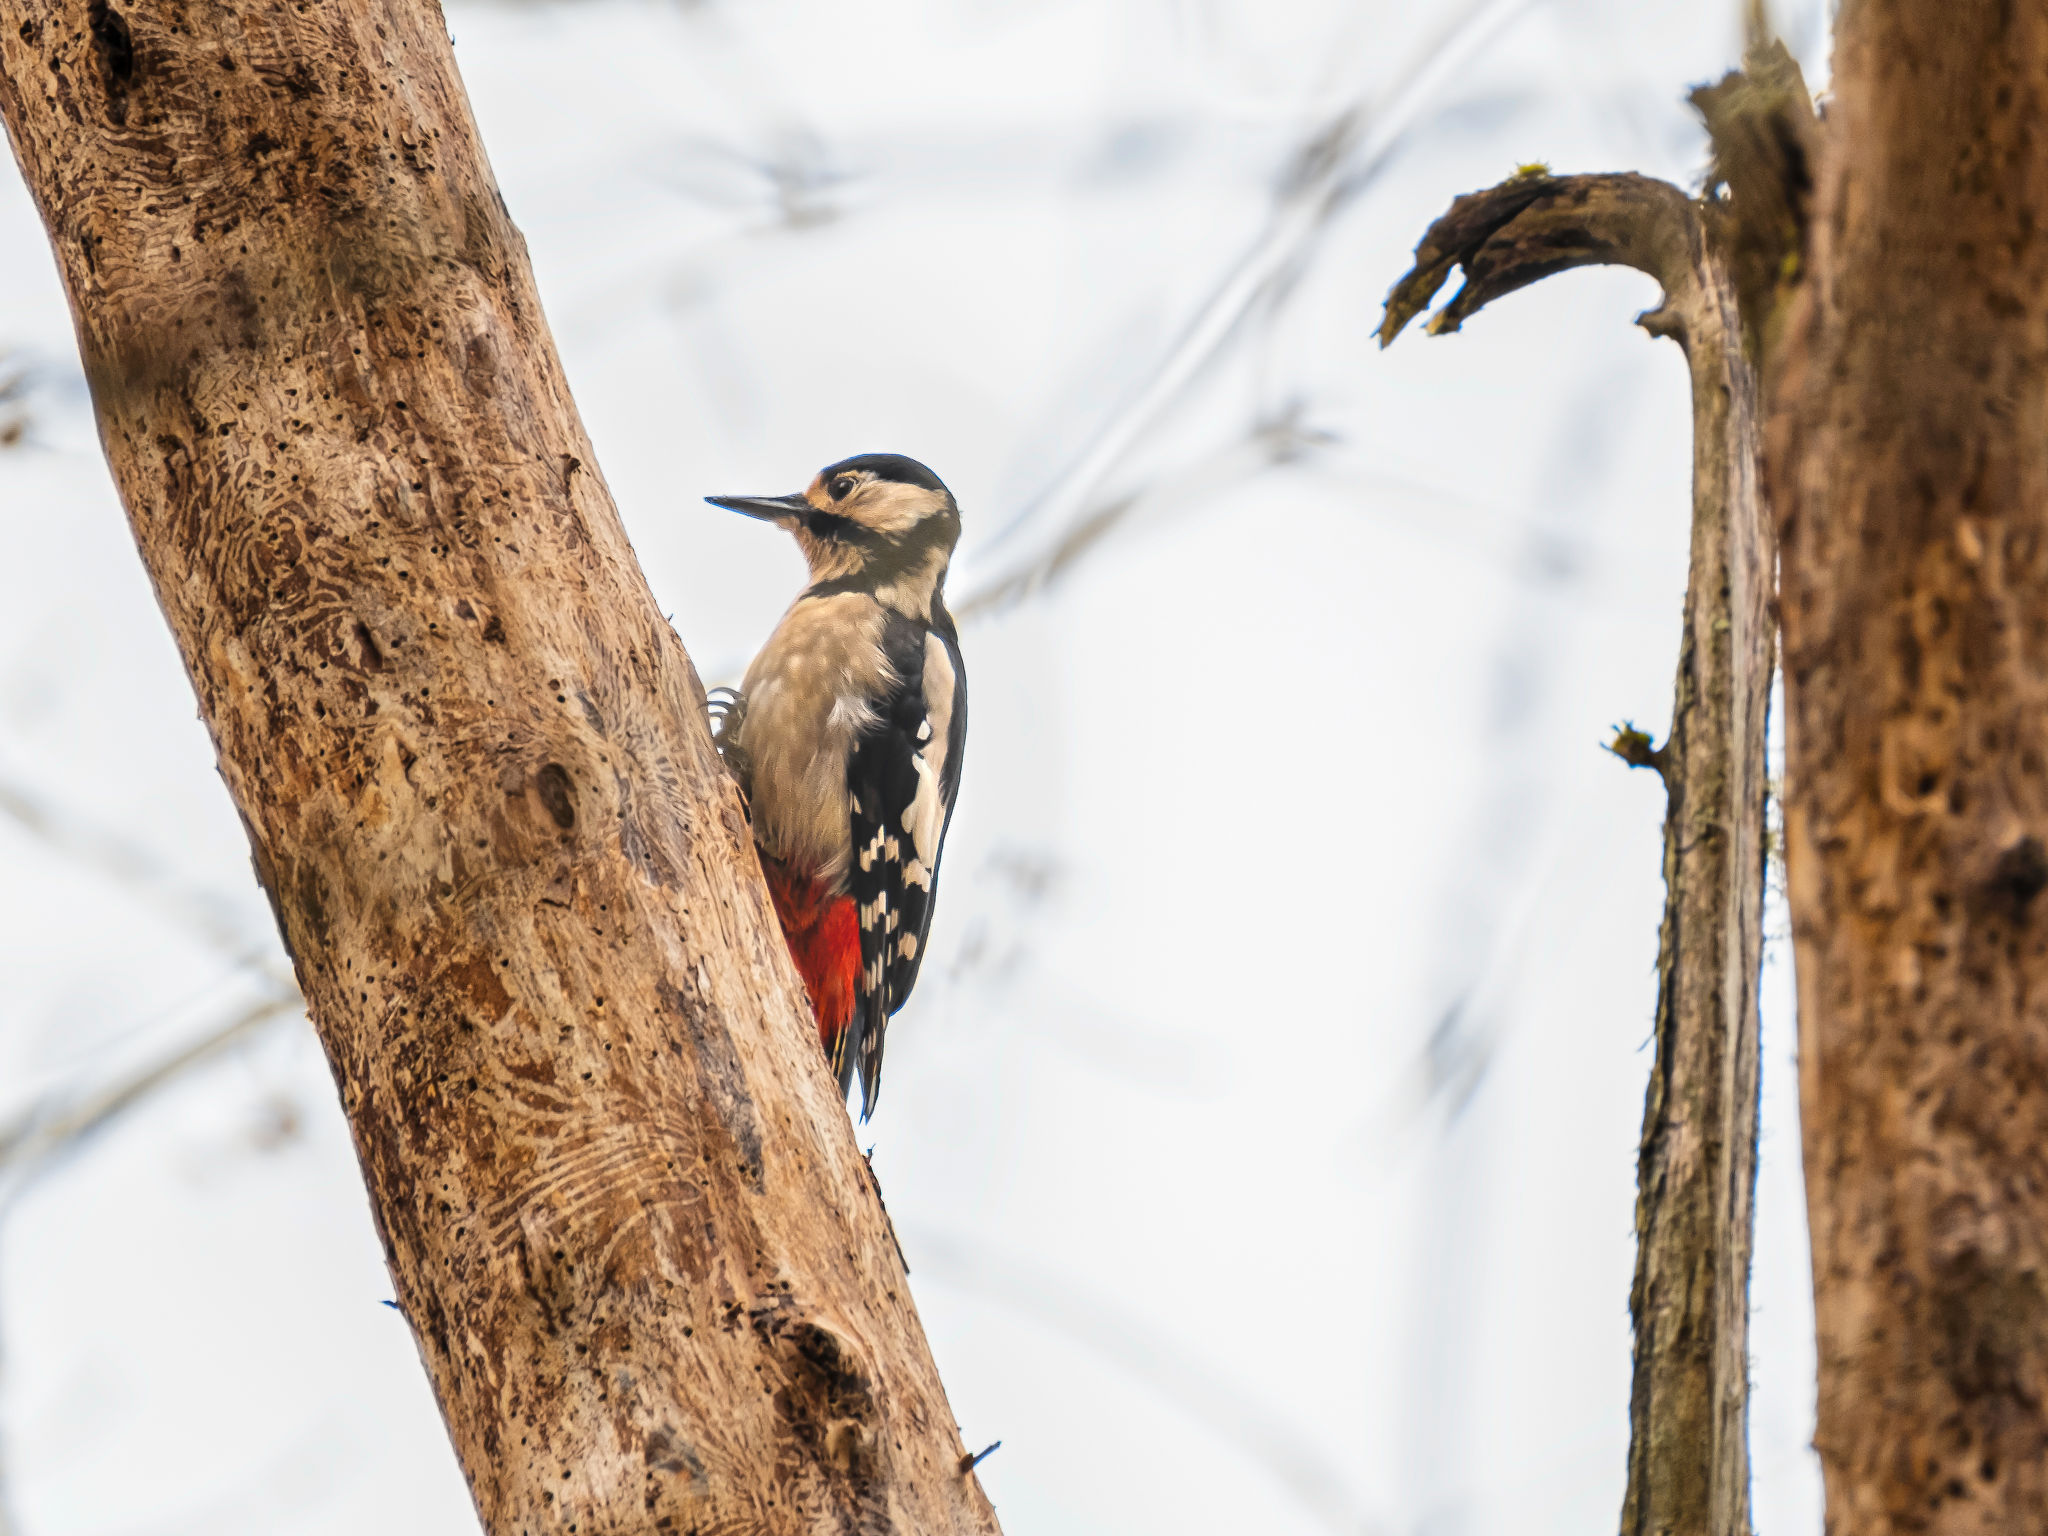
1634, 747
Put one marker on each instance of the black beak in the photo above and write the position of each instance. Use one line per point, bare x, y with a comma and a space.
772, 509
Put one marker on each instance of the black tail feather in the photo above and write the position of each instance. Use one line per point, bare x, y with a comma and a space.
847, 1050
871, 1055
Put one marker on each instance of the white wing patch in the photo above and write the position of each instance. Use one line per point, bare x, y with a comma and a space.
925, 817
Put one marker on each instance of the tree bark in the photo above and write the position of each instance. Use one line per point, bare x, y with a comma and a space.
1909, 465
1688, 1469
624, 1213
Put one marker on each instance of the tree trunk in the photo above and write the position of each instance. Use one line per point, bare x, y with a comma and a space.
1909, 464
1696, 1167
624, 1213
1688, 1467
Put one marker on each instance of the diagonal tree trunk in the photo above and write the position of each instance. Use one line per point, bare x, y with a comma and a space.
1909, 465
1719, 261
624, 1214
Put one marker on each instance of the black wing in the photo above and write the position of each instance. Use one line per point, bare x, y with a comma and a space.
903, 777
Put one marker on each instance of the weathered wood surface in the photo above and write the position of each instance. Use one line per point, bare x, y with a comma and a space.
624, 1212
1688, 1472
1909, 466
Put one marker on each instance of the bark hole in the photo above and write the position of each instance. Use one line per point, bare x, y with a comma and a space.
2020, 875
373, 656
558, 795
827, 1394
116, 47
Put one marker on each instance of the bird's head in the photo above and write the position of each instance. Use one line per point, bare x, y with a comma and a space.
877, 522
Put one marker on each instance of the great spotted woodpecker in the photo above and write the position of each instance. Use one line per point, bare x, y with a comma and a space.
845, 739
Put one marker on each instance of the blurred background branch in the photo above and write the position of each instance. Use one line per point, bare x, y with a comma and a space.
142, 874
35, 1138
14, 421
1325, 174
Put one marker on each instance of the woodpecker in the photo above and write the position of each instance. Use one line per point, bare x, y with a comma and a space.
845, 738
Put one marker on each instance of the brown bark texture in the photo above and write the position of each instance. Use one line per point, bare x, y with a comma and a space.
1909, 466
625, 1216
1688, 1472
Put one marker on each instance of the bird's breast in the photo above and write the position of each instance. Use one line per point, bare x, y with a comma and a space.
810, 693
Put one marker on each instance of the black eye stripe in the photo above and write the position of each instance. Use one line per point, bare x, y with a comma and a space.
830, 525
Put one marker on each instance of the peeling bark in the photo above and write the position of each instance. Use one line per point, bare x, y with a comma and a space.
1910, 469
623, 1209
1688, 1471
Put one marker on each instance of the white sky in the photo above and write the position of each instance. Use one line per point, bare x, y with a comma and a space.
1297, 766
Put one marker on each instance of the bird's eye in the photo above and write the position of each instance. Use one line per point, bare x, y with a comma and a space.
841, 488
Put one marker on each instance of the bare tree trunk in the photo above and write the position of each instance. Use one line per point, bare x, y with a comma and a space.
1909, 464
1696, 1168
624, 1214
1688, 1472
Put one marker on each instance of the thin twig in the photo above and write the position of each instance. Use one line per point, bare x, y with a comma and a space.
974, 1459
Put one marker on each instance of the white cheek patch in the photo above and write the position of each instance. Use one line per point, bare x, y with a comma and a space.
889, 506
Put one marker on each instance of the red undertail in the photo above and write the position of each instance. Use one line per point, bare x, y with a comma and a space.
824, 940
